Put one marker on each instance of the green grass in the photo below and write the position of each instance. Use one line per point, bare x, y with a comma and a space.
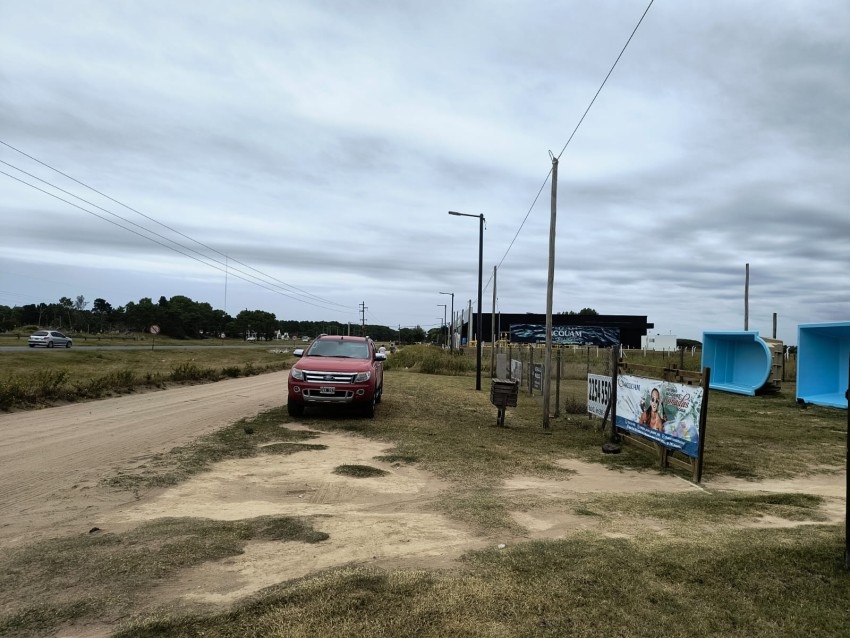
741, 584
359, 471
105, 575
44, 377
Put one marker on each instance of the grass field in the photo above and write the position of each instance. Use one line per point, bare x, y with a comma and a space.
710, 574
39, 377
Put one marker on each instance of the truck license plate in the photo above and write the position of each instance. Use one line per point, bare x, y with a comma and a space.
327, 390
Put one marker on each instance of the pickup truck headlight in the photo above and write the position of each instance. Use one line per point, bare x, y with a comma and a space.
297, 374
363, 376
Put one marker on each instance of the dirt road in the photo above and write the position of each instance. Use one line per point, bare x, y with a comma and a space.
51, 460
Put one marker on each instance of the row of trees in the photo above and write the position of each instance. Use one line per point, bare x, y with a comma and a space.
181, 318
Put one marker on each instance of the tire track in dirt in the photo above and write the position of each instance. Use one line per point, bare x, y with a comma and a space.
55, 455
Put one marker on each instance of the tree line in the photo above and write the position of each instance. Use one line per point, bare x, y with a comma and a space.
180, 318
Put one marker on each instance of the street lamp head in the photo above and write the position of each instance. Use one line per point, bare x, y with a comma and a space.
457, 214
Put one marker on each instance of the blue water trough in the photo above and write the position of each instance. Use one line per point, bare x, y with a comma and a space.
740, 362
823, 352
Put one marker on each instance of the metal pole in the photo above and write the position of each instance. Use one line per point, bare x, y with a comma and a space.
444, 320
452, 329
480, 277
480, 313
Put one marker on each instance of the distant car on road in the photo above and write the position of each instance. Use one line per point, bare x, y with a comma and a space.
49, 339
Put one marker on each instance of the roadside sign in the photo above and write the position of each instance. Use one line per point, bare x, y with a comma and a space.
154, 329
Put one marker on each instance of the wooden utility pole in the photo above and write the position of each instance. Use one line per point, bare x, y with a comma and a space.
747, 299
493, 329
550, 282
363, 319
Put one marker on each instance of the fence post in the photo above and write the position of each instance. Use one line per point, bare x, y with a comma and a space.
558, 388
530, 371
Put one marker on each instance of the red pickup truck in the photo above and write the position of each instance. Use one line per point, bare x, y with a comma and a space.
337, 370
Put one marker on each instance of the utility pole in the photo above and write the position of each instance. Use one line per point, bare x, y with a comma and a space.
747, 299
493, 329
547, 365
469, 325
363, 309
444, 320
452, 329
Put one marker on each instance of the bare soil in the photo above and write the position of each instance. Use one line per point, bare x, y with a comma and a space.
52, 460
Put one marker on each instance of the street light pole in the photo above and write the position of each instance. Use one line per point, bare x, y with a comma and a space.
452, 337
444, 318
480, 273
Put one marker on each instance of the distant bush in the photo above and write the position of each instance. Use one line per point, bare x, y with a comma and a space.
188, 371
430, 360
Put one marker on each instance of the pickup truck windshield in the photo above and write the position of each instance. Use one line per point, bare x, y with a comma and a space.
340, 348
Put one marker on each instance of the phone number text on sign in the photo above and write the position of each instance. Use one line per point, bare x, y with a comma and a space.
598, 393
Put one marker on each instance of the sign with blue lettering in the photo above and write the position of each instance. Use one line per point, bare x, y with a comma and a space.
566, 335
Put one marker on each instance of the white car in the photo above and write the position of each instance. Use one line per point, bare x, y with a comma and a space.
49, 339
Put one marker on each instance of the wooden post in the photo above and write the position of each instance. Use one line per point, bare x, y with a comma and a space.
615, 361
703, 419
530, 371
847, 492
747, 299
558, 387
493, 328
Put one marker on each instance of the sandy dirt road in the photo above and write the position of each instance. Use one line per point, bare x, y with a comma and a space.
51, 460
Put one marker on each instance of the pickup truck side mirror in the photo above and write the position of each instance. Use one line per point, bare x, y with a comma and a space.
298, 352
380, 356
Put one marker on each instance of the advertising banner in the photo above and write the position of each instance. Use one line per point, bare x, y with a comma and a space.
598, 394
665, 412
566, 335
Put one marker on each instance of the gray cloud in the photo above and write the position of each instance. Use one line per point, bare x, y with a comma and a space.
324, 145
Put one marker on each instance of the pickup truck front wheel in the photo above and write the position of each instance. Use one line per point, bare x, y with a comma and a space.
295, 408
369, 408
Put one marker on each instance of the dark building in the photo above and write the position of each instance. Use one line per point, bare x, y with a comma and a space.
628, 329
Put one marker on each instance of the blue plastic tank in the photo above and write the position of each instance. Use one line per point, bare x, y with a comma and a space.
823, 357
740, 362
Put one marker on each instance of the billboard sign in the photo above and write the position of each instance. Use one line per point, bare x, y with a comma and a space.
566, 335
667, 413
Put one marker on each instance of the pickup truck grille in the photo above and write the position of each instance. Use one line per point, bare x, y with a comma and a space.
328, 377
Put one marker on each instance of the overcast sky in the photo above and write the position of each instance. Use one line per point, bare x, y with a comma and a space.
302, 157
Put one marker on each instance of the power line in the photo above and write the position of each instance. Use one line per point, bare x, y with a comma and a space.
151, 239
601, 86
296, 290
586, 111
228, 268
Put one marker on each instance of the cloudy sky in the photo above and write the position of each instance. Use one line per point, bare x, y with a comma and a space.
301, 157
